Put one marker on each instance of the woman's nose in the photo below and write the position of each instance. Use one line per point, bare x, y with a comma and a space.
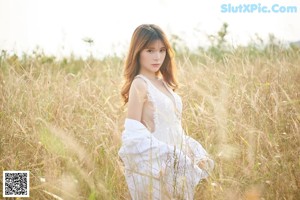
156, 55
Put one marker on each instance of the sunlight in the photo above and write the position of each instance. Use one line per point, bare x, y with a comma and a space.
58, 27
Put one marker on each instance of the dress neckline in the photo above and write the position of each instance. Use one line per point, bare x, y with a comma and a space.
168, 89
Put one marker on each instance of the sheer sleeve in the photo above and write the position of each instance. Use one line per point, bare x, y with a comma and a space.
198, 153
144, 155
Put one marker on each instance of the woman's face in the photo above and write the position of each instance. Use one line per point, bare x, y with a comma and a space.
152, 57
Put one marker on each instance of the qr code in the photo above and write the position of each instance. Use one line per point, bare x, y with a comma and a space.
15, 183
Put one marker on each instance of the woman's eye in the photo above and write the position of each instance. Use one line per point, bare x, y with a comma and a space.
149, 50
162, 50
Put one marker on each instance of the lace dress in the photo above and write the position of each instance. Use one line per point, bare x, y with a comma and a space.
162, 164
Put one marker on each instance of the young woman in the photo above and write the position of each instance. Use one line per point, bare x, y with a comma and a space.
161, 161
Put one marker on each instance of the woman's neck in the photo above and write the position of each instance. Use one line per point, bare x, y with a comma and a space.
152, 77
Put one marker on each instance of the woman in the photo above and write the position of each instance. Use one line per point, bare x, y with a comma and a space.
161, 161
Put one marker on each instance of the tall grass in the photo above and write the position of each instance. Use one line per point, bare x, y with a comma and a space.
62, 121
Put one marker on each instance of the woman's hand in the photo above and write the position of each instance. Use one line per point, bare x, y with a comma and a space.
202, 164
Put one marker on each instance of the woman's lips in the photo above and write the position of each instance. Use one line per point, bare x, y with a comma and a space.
155, 65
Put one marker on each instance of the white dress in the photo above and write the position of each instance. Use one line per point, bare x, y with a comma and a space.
162, 164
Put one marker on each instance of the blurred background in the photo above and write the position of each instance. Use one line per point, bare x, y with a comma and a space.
61, 112
103, 27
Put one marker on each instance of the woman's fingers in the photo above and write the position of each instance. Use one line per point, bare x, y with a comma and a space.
202, 164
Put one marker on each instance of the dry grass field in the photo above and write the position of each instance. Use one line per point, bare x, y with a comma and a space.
62, 120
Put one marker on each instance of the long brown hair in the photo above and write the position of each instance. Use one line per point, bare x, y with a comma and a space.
142, 37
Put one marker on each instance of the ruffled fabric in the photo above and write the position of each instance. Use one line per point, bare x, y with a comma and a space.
156, 170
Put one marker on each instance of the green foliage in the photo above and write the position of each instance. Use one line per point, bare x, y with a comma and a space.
52, 143
241, 103
93, 196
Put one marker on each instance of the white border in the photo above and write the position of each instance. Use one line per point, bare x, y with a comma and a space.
28, 176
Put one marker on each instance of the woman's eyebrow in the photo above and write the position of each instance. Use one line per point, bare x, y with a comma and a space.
151, 47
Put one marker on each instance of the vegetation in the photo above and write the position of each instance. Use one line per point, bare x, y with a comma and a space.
62, 120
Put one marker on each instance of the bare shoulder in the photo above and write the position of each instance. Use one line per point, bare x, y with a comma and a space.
139, 84
137, 98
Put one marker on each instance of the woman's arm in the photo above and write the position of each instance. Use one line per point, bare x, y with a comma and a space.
137, 98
